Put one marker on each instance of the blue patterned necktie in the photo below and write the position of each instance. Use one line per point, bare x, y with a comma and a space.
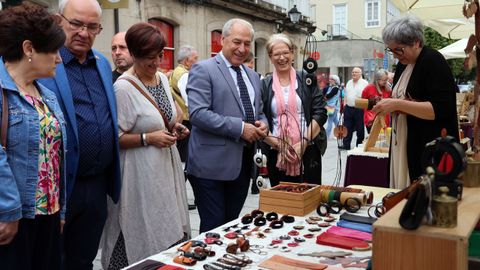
247, 105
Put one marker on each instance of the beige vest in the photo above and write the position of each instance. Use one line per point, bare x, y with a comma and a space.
177, 96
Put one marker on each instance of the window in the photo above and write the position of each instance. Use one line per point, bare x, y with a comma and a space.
339, 20
169, 50
216, 43
372, 13
392, 11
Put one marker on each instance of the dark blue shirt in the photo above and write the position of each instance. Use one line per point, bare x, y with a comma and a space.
94, 121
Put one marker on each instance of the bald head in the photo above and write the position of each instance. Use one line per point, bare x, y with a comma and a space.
120, 55
356, 74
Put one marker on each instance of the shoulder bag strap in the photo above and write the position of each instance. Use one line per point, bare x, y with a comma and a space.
4, 128
151, 101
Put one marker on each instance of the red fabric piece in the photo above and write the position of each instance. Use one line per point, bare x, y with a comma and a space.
370, 91
333, 240
350, 233
446, 163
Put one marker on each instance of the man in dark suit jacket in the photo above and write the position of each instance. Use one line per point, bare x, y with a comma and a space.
225, 107
83, 85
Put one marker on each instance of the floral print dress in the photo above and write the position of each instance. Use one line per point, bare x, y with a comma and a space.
47, 195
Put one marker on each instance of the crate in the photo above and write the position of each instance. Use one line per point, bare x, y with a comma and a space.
427, 247
289, 203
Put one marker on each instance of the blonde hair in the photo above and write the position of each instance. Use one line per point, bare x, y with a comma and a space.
277, 38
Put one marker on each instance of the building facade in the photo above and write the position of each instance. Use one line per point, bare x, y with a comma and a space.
349, 34
199, 23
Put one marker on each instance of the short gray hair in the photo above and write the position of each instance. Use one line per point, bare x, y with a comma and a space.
63, 3
404, 30
335, 78
277, 38
227, 27
184, 52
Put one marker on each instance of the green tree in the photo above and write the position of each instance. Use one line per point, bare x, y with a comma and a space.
436, 41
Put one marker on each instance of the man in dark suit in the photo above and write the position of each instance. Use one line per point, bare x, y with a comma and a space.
226, 113
83, 85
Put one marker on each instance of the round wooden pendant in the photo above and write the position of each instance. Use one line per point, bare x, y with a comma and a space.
340, 132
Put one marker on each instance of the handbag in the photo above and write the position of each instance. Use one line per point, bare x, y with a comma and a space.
4, 127
321, 140
415, 208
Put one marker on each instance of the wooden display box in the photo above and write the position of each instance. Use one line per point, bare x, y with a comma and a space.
283, 202
427, 247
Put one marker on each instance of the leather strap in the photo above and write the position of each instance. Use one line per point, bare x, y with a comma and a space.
286, 263
165, 119
4, 128
356, 226
333, 240
350, 233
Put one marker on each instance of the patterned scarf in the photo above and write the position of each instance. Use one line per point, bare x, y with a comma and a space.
288, 122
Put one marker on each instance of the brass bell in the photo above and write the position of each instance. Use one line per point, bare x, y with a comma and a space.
444, 209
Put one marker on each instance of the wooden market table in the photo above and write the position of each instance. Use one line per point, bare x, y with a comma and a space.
308, 246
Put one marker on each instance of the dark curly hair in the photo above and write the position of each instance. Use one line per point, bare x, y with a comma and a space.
144, 39
29, 22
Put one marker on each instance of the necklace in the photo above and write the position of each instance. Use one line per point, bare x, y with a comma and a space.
34, 93
145, 84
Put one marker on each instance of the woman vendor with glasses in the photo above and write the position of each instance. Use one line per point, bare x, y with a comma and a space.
423, 99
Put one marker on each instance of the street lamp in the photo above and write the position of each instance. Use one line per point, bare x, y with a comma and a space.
294, 14
293, 22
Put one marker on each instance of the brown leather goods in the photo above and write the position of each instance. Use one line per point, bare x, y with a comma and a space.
196, 256
329, 239
186, 247
390, 200
232, 262
243, 259
243, 244
207, 251
3, 132
340, 132
151, 101
280, 262
232, 248
180, 259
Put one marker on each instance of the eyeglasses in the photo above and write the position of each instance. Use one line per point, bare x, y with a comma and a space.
92, 28
280, 54
397, 51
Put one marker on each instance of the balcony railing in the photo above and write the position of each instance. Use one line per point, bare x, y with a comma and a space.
338, 32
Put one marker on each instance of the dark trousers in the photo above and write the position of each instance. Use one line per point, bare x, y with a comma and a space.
36, 245
353, 121
85, 217
312, 168
219, 201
